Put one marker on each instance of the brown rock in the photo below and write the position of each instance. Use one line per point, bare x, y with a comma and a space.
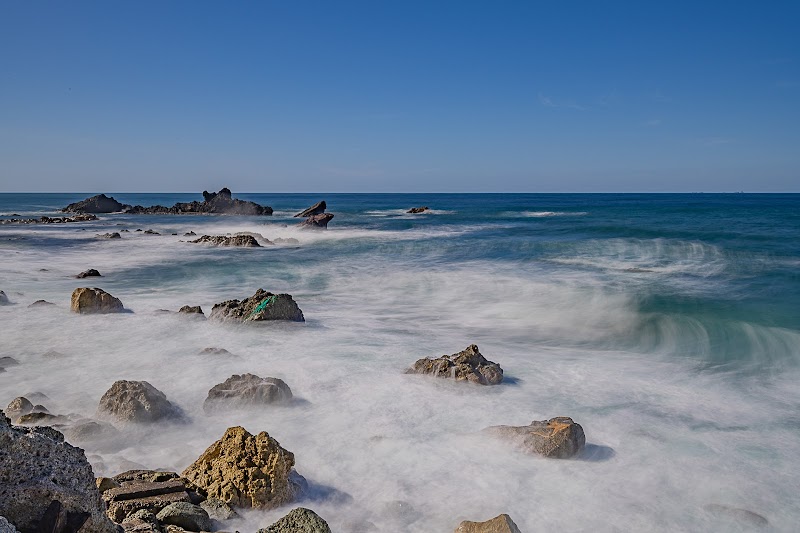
468, 365
86, 300
558, 437
417, 210
105, 483
245, 471
498, 524
137, 401
191, 310
119, 510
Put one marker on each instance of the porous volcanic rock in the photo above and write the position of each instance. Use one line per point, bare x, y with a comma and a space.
559, 437
191, 310
316, 209
243, 241
299, 520
137, 401
86, 300
467, 365
316, 221
245, 471
47, 484
247, 390
88, 274
187, 515
499, 524
95, 204
262, 305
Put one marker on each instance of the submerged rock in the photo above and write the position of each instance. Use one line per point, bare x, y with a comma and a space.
316, 221
187, 515
289, 240
262, 305
316, 209
151, 232
299, 520
191, 310
245, 471
95, 204
214, 351
113, 235
247, 390
417, 210
47, 482
139, 402
41, 303
736, 513
244, 241
498, 524
4, 299
88, 274
87, 300
7, 361
467, 365
558, 437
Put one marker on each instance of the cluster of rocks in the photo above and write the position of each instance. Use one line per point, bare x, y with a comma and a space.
213, 203
245, 241
49, 220
113, 235
417, 210
315, 216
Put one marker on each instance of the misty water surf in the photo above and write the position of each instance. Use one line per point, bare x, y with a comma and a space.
668, 326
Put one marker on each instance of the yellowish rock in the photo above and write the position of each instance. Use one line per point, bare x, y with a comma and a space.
498, 524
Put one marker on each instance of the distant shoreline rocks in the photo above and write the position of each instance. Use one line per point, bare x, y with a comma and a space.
84, 217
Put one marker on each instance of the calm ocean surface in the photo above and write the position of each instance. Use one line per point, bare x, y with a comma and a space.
667, 325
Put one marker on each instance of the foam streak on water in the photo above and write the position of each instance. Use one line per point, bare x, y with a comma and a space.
666, 325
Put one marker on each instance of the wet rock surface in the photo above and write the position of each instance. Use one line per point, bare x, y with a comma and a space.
86, 300
88, 274
247, 391
138, 402
316, 221
498, 524
262, 305
559, 437
242, 241
41, 303
299, 520
467, 365
245, 471
191, 310
316, 209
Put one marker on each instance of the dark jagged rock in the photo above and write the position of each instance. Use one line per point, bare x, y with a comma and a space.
151, 232
138, 401
190, 234
50, 220
191, 310
220, 203
262, 305
41, 303
247, 391
47, 484
417, 210
87, 300
316, 209
245, 241
96, 204
498, 524
114, 235
558, 437
299, 520
88, 273
468, 365
316, 221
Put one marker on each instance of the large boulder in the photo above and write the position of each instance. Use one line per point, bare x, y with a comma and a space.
96, 204
316, 209
299, 520
243, 241
46, 484
245, 471
558, 437
87, 300
187, 515
316, 221
499, 524
139, 402
467, 365
247, 390
262, 305
18, 407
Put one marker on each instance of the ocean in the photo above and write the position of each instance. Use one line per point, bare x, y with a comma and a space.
667, 325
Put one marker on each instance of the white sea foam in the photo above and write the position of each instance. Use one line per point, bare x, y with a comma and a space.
544, 214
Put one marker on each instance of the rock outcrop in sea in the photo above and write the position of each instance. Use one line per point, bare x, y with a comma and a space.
315, 216
262, 305
316, 209
138, 402
559, 437
47, 484
86, 300
4, 299
247, 391
88, 274
499, 524
417, 210
245, 471
467, 365
50, 220
221, 203
299, 520
244, 241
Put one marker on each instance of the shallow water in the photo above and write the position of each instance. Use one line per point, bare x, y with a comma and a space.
666, 325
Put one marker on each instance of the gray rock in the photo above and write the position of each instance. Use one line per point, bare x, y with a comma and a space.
467, 365
4, 299
316, 221
6, 526
498, 524
191, 310
316, 209
186, 515
262, 305
218, 509
88, 430
87, 300
244, 241
214, 351
105, 483
18, 407
113, 235
299, 520
735, 513
148, 476
190, 234
88, 274
41, 303
559, 437
246, 391
151, 232
46, 481
6, 362
96, 204
138, 401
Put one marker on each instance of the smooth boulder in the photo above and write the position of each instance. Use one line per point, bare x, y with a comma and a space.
262, 305
467, 365
187, 515
87, 300
299, 520
245, 471
47, 482
559, 437
247, 391
138, 402
498, 524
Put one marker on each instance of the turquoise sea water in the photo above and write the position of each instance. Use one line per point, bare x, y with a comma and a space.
667, 325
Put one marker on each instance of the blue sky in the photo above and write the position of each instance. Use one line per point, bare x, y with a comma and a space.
380, 96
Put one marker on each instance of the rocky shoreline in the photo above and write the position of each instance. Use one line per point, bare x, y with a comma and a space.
219, 203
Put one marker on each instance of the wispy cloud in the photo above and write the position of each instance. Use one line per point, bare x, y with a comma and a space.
546, 101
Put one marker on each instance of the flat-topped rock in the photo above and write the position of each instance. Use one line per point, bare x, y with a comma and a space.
138, 402
262, 305
559, 437
467, 365
498, 524
243, 241
247, 391
86, 300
